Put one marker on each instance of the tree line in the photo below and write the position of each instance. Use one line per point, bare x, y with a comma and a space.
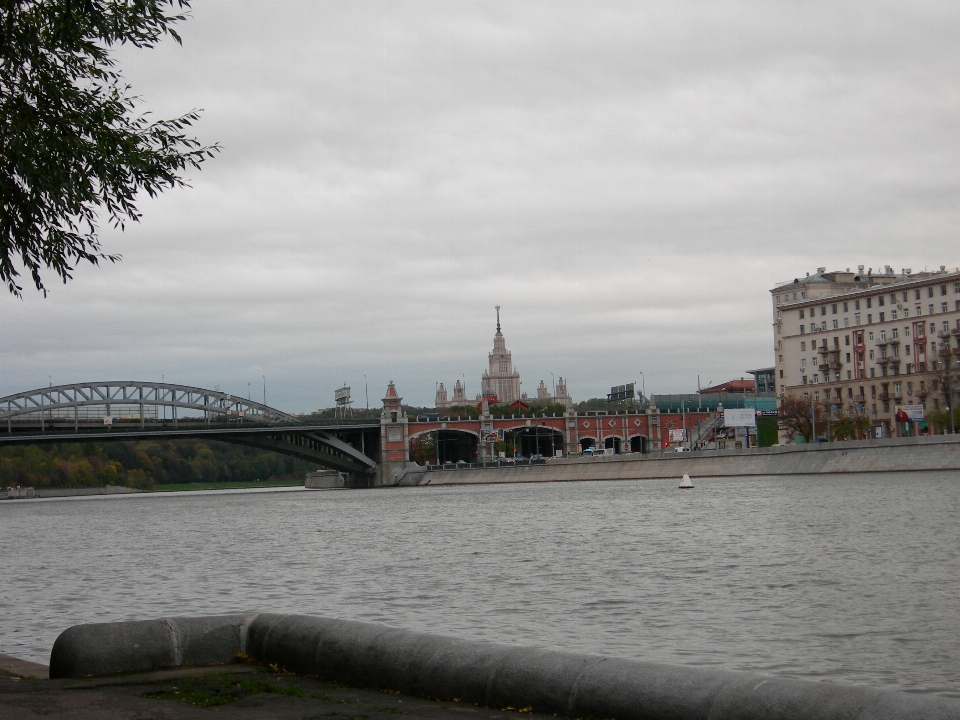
143, 464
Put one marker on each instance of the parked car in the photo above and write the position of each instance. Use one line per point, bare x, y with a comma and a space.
681, 449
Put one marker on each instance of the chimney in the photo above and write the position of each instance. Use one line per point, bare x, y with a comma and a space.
859, 269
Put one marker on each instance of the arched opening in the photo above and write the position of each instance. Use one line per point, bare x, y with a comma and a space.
613, 442
444, 446
587, 443
638, 444
537, 440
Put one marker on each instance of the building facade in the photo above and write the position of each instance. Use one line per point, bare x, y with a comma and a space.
866, 343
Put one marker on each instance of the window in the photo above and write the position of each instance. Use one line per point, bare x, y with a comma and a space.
930, 309
930, 291
856, 304
802, 329
833, 309
906, 350
846, 320
880, 300
779, 344
849, 375
895, 333
881, 317
916, 294
781, 359
803, 363
868, 302
893, 298
856, 319
778, 316
870, 336
804, 382
893, 315
823, 325
873, 372
956, 287
803, 347
896, 388
869, 319
845, 308
823, 309
835, 325
943, 289
846, 339
933, 328
906, 312
873, 392
871, 354
816, 378
801, 313
802, 295
904, 296
778, 299
956, 304
781, 374
943, 307
883, 336
946, 327
813, 327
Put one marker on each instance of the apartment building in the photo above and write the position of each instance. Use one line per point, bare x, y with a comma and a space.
868, 343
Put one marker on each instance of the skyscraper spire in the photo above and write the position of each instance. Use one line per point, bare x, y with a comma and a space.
498, 318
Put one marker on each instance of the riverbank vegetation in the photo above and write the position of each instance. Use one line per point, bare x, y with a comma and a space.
145, 465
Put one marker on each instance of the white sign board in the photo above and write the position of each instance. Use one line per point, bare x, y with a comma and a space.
914, 412
677, 435
740, 417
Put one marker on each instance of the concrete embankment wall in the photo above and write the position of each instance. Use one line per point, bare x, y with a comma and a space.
568, 684
939, 452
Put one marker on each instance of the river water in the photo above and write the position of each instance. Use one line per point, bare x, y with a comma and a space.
850, 578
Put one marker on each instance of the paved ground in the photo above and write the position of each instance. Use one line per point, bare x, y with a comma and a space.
233, 691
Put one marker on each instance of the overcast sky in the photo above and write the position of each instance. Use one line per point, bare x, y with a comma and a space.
626, 179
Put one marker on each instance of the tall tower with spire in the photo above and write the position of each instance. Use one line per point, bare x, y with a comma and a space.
500, 379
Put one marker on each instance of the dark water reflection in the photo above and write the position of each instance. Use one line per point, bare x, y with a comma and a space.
849, 578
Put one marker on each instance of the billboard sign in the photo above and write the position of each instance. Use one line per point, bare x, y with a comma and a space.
740, 417
620, 392
914, 412
678, 435
342, 396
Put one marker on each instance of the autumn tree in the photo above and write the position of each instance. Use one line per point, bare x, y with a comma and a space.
73, 150
796, 417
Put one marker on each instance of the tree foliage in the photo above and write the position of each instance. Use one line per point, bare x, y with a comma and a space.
72, 149
143, 464
796, 417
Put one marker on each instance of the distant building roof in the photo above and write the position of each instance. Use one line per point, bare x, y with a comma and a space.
731, 386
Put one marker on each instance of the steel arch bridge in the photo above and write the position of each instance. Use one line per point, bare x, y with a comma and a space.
129, 410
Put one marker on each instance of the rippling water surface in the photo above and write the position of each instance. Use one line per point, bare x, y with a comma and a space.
848, 578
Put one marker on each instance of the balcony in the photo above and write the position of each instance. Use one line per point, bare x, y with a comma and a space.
922, 393
895, 341
883, 397
836, 365
881, 343
955, 331
823, 367
943, 334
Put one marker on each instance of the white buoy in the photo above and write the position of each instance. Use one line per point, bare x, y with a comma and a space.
685, 483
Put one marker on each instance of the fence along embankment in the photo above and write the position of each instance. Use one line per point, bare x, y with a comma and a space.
938, 452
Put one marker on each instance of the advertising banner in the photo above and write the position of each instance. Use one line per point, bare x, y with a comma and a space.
740, 417
914, 412
678, 435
